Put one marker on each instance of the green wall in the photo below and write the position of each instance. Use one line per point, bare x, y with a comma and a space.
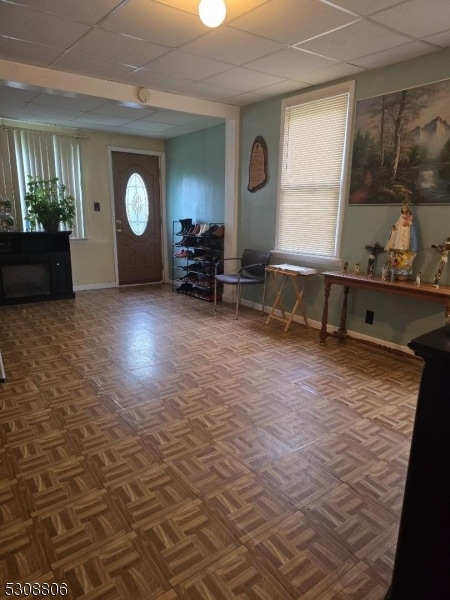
195, 178
396, 320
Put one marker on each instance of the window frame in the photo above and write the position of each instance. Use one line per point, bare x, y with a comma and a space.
320, 94
53, 160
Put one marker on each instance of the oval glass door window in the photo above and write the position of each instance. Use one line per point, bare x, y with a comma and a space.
136, 204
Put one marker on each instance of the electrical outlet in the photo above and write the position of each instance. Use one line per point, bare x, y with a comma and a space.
369, 317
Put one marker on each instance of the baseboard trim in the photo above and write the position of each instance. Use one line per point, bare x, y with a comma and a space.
92, 286
373, 341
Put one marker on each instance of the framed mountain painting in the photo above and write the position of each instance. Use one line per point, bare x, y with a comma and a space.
401, 147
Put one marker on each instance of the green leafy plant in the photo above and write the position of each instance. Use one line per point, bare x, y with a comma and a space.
48, 204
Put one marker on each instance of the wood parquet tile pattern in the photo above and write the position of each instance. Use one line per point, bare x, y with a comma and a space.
153, 449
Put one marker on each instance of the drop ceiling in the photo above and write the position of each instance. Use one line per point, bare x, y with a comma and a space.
265, 48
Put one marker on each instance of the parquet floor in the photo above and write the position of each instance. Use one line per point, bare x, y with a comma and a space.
153, 449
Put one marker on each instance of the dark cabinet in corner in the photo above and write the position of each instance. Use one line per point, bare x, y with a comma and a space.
35, 267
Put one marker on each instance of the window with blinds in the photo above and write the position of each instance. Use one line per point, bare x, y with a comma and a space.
25, 152
312, 180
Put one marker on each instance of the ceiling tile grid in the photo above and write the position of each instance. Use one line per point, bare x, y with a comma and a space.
264, 48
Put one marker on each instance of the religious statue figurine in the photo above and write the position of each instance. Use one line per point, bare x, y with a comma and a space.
419, 278
375, 249
402, 244
371, 265
444, 250
356, 269
345, 266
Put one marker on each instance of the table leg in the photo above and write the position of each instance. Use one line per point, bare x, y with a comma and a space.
342, 331
323, 331
298, 303
278, 297
2, 370
300, 295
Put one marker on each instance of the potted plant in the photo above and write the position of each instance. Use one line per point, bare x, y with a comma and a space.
48, 204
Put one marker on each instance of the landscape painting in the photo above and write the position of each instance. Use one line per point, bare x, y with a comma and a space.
401, 147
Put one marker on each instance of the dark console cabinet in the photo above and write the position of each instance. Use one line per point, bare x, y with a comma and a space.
422, 561
35, 267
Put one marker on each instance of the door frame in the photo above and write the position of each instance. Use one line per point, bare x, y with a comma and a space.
162, 183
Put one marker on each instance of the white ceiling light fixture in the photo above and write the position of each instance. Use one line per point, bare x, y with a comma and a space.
212, 12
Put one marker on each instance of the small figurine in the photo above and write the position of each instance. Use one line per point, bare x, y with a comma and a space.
375, 249
345, 266
419, 278
371, 265
444, 249
385, 272
356, 269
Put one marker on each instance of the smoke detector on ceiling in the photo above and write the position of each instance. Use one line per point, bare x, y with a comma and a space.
144, 95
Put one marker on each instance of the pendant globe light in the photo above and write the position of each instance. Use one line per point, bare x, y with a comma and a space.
212, 12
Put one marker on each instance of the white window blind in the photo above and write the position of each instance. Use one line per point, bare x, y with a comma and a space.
312, 173
8, 189
45, 155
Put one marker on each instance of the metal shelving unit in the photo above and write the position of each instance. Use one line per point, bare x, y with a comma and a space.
196, 249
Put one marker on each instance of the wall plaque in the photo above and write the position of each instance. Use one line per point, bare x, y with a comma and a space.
257, 171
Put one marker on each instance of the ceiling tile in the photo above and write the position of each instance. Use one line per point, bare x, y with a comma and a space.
38, 111
149, 126
171, 116
17, 94
359, 39
439, 39
336, 72
244, 61
207, 91
70, 101
103, 119
181, 64
112, 109
235, 8
394, 55
365, 7
231, 46
246, 98
25, 52
291, 21
157, 81
287, 86
243, 80
86, 65
10, 109
416, 19
291, 63
154, 22
33, 26
117, 48
84, 11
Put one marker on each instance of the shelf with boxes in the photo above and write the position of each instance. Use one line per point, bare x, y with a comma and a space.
196, 250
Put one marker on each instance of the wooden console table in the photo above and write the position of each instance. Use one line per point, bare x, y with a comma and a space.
407, 289
285, 273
